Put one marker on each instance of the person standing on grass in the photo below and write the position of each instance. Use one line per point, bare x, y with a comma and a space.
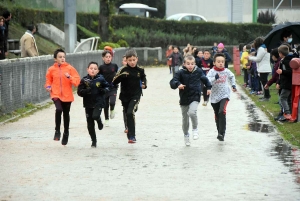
93, 88
109, 70
219, 76
59, 80
133, 80
188, 80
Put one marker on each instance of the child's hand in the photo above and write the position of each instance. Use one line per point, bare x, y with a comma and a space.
277, 86
48, 88
143, 85
181, 86
279, 71
67, 75
208, 92
234, 88
266, 86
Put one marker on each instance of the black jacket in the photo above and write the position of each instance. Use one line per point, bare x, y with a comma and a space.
285, 79
177, 59
93, 90
109, 71
192, 81
3, 41
131, 80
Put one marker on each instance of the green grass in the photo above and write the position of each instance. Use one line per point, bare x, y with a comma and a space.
289, 131
23, 112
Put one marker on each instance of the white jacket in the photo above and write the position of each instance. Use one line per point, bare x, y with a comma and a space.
262, 60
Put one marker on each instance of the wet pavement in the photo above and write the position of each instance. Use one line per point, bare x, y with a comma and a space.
253, 163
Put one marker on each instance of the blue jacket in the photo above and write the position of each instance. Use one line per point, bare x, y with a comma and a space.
93, 90
192, 81
227, 57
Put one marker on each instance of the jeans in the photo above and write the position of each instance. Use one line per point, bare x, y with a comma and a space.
284, 100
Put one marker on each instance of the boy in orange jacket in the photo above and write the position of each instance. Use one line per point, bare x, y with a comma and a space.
59, 80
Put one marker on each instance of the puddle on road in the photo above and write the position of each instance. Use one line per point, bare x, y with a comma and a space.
283, 151
5, 138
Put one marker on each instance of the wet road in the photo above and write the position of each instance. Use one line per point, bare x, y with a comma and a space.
253, 163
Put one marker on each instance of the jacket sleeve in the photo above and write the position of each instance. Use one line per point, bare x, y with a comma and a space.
231, 77
211, 76
144, 79
49, 78
170, 56
74, 77
175, 82
82, 89
228, 58
242, 57
119, 76
205, 80
275, 76
260, 55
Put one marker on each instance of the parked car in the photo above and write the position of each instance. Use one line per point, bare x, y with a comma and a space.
187, 17
136, 9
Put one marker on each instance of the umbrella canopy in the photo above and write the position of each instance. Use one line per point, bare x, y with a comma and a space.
273, 40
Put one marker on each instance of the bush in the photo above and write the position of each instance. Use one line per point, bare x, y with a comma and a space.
267, 17
122, 43
83, 33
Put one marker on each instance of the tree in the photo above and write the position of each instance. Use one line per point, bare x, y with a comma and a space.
104, 15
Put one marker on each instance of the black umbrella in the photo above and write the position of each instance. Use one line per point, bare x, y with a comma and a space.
273, 40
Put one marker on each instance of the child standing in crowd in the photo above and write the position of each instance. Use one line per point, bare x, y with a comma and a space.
206, 64
188, 81
168, 53
220, 92
221, 49
214, 49
59, 80
109, 70
285, 80
133, 80
244, 61
177, 59
92, 88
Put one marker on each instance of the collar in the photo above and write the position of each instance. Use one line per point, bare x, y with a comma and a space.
219, 69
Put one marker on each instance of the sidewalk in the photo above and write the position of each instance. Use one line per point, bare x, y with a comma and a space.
248, 165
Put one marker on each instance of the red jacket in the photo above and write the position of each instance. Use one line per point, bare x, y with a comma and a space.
61, 86
275, 76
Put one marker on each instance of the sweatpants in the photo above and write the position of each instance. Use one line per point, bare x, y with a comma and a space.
285, 100
62, 108
175, 69
129, 108
189, 111
204, 91
110, 101
220, 115
92, 115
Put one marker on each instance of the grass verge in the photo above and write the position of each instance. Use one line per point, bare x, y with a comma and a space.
289, 131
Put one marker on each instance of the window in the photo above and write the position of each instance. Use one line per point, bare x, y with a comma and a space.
197, 18
268, 4
186, 18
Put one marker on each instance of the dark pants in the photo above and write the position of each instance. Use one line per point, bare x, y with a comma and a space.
62, 107
204, 91
110, 101
92, 115
129, 108
263, 78
2, 54
246, 76
220, 115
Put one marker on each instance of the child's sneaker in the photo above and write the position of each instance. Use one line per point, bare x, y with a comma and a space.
57, 136
94, 144
287, 116
204, 103
100, 124
187, 140
195, 134
220, 137
112, 114
65, 139
132, 140
106, 123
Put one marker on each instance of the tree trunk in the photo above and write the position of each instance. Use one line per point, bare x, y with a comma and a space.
104, 20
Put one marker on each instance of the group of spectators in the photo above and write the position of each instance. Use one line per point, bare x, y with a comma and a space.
27, 41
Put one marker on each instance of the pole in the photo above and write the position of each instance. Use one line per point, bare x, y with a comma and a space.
254, 12
70, 25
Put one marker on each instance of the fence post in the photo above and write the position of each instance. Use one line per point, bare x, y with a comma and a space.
159, 54
236, 61
146, 54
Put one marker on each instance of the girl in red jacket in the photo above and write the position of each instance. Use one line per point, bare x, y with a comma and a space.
59, 80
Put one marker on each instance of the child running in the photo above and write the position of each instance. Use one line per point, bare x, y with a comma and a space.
59, 80
188, 81
92, 88
109, 70
133, 80
220, 92
206, 64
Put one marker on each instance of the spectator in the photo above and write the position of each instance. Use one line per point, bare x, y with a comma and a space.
3, 49
28, 44
7, 15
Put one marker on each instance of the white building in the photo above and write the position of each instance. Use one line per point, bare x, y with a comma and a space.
235, 10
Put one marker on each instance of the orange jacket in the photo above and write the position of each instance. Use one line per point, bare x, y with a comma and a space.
61, 86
